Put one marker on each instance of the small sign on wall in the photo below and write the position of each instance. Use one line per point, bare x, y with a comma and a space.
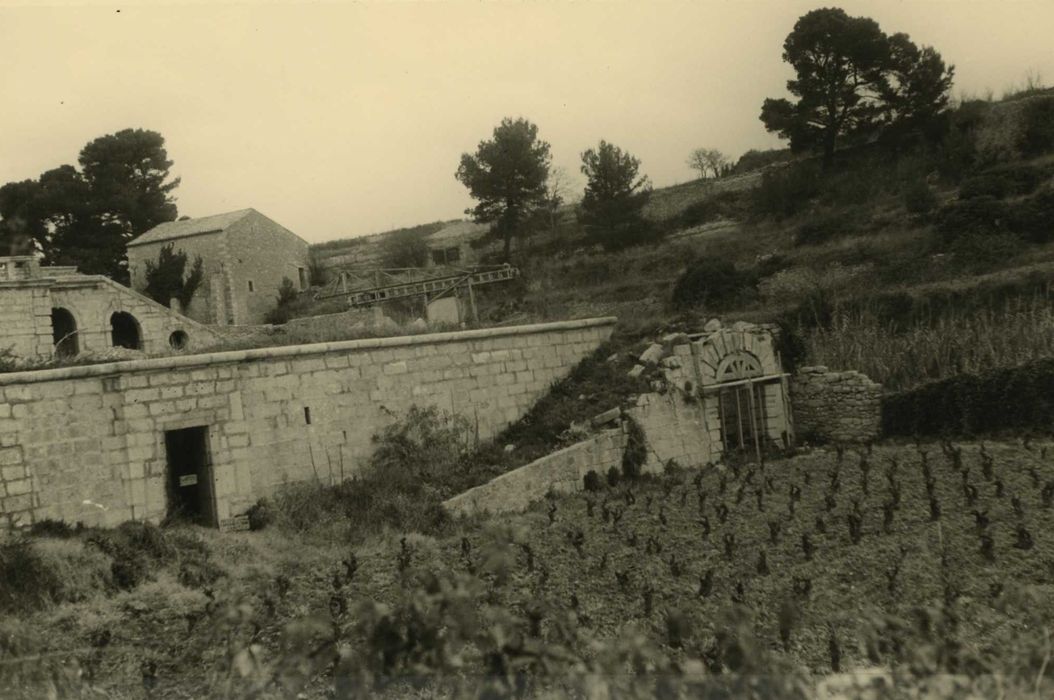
239, 523
188, 480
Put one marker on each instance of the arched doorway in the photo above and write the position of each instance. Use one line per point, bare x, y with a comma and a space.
741, 402
64, 333
124, 331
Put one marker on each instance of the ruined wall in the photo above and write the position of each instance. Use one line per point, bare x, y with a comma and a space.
835, 406
676, 429
87, 443
560, 472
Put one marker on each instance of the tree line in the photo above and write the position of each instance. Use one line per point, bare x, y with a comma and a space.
854, 85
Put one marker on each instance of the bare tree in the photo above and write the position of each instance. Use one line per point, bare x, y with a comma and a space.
557, 191
710, 162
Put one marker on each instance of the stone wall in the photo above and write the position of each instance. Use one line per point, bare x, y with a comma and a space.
560, 472
93, 300
212, 249
88, 443
264, 252
26, 326
675, 429
835, 406
25, 319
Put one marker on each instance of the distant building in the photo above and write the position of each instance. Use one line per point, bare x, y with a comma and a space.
54, 312
245, 254
453, 245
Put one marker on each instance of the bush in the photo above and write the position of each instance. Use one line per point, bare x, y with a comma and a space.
787, 191
919, 198
977, 252
261, 514
820, 230
1037, 134
614, 477
636, 453
1021, 398
591, 481
1034, 218
1004, 181
37, 573
984, 185
709, 282
705, 211
980, 215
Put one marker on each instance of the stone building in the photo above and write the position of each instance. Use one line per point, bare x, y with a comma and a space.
245, 255
48, 312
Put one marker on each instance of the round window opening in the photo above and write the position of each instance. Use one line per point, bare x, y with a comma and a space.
178, 340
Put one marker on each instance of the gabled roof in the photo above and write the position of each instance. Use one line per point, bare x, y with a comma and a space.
171, 230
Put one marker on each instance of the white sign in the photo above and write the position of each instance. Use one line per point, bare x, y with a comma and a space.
188, 480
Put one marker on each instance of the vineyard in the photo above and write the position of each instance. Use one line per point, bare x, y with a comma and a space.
933, 560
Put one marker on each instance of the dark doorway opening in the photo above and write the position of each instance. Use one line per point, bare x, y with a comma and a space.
742, 410
64, 333
190, 494
124, 331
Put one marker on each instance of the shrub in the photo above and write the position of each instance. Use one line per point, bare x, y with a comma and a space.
1034, 218
1004, 181
919, 198
980, 252
614, 477
261, 514
1037, 133
1020, 398
820, 230
709, 282
980, 215
984, 185
787, 191
36, 574
636, 453
705, 211
591, 481
790, 345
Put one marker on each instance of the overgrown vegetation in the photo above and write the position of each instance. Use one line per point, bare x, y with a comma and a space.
1015, 399
168, 278
928, 561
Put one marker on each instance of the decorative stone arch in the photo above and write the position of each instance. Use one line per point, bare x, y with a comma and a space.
125, 331
737, 365
65, 332
741, 380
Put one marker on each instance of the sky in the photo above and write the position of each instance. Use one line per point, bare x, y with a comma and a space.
343, 119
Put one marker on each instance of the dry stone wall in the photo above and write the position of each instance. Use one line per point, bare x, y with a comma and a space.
835, 406
88, 443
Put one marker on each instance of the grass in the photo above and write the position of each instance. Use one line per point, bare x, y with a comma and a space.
952, 343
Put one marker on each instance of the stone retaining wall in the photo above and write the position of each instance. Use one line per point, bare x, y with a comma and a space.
836, 406
560, 472
88, 443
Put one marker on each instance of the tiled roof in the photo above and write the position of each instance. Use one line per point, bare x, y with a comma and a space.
190, 227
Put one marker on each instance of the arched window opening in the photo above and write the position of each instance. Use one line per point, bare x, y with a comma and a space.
64, 333
124, 331
178, 340
738, 365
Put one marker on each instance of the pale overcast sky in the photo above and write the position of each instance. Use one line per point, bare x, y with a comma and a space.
345, 119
